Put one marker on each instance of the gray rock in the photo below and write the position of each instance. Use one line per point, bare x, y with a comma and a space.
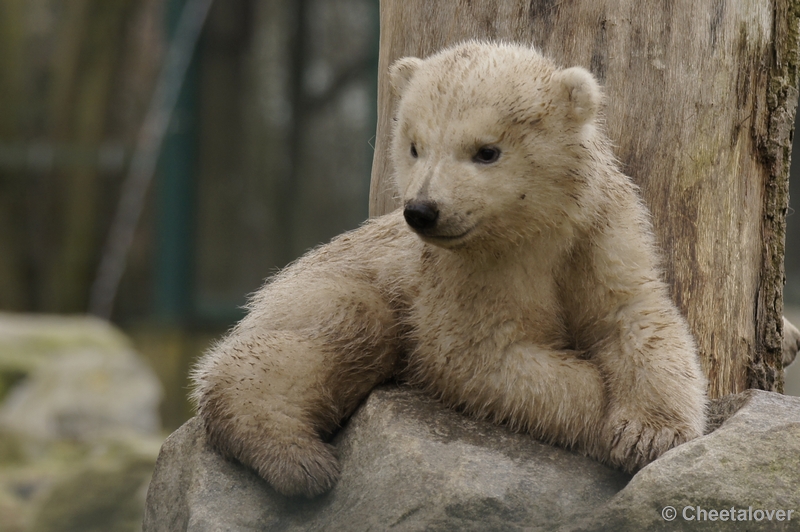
408, 463
751, 463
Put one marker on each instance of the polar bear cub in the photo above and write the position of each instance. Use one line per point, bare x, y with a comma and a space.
519, 282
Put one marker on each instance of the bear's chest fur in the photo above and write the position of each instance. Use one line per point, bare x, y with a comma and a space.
466, 316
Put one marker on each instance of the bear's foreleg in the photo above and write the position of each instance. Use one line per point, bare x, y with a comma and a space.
656, 387
312, 347
554, 395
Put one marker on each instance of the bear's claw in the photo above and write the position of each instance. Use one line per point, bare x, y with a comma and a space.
309, 470
634, 444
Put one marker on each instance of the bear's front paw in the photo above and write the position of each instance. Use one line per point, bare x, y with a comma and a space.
309, 469
634, 443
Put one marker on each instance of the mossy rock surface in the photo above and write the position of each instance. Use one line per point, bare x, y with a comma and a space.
73, 377
28, 341
73, 486
105, 495
79, 425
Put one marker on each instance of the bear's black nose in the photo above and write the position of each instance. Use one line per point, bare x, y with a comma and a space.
421, 215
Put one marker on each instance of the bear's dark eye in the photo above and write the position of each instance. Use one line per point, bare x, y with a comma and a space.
486, 155
414, 153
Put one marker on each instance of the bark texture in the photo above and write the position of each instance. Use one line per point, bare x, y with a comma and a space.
701, 98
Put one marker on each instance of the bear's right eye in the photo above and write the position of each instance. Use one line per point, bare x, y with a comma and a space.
414, 153
486, 155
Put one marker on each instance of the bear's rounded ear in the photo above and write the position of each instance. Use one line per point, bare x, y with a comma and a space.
583, 92
401, 72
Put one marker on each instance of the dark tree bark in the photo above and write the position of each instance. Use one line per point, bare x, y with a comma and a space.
701, 99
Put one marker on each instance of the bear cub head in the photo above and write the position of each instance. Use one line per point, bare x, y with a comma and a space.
492, 143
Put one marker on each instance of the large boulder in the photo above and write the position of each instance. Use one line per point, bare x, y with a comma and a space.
408, 463
747, 472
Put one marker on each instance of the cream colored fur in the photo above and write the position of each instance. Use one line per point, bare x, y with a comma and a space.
535, 300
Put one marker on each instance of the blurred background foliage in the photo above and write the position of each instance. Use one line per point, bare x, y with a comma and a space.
267, 154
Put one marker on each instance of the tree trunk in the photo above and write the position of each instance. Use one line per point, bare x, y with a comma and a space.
700, 103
